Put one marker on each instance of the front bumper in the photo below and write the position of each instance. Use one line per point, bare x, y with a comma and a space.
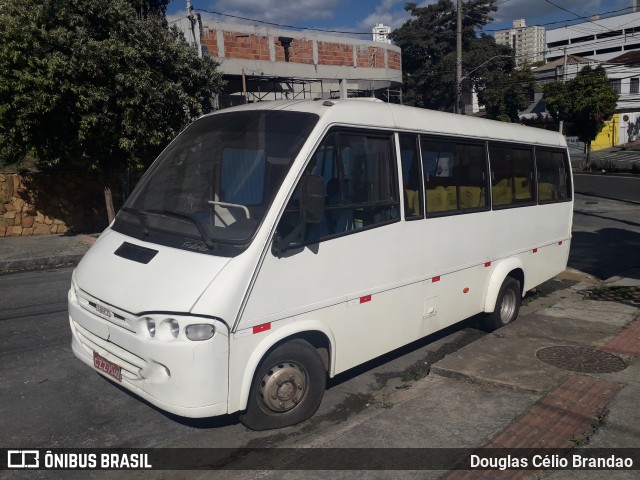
184, 377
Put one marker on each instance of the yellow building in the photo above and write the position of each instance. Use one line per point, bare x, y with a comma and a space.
608, 136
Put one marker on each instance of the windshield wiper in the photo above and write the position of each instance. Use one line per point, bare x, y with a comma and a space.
193, 219
141, 216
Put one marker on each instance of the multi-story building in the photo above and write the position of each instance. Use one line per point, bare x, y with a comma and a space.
597, 38
381, 33
527, 42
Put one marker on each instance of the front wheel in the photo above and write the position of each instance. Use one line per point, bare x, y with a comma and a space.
507, 306
287, 387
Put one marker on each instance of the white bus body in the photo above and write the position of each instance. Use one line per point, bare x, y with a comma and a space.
274, 245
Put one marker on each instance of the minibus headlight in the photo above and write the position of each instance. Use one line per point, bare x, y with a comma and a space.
175, 327
151, 326
200, 332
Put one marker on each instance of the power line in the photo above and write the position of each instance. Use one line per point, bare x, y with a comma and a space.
575, 14
280, 24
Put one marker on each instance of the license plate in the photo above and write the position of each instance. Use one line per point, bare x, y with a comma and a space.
104, 365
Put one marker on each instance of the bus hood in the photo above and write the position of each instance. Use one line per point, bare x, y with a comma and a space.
172, 281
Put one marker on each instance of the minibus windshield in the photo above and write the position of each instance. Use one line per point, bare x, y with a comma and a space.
209, 190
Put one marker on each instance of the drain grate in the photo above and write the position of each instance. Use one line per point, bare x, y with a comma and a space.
629, 295
581, 359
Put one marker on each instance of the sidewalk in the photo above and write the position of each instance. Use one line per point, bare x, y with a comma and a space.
48, 251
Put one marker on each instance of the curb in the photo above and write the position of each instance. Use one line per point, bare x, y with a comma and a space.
24, 265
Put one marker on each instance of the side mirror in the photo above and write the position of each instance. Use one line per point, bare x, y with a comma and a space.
311, 199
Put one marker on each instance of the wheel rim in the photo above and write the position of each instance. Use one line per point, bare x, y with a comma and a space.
284, 386
508, 307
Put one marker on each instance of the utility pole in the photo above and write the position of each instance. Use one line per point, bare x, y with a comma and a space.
456, 108
564, 79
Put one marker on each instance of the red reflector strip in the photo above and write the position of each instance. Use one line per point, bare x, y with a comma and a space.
262, 328
487, 264
365, 299
435, 279
534, 250
560, 242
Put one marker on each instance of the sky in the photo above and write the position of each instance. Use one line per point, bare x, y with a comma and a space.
359, 16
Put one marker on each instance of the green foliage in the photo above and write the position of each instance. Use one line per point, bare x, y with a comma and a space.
95, 84
586, 101
506, 91
428, 43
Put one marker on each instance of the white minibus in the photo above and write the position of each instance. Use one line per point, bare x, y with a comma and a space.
274, 245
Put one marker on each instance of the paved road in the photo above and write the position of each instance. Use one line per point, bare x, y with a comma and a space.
609, 186
606, 236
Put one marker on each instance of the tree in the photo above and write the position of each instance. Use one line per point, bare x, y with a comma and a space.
586, 101
506, 93
95, 84
428, 43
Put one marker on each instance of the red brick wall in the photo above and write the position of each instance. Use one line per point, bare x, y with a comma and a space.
256, 47
241, 45
210, 40
330, 53
393, 60
370, 57
300, 51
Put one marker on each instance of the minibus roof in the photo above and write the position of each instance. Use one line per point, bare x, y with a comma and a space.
373, 113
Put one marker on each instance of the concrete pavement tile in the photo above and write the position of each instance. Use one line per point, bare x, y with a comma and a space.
611, 313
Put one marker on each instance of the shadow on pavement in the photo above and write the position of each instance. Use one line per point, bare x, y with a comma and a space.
605, 253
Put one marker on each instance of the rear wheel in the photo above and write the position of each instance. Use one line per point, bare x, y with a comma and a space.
507, 306
287, 387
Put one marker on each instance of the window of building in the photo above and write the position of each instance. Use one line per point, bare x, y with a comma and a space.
634, 86
455, 176
511, 175
554, 183
616, 83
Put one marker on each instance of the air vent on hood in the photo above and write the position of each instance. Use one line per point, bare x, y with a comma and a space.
135, 253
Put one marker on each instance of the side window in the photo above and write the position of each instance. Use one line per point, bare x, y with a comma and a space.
455, 176
553, 176
360, 181
511, 175
411, 177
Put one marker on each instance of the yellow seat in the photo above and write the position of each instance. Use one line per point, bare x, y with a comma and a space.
523, 189
437, 199
546, 192
413, 202
501, 193
470, 197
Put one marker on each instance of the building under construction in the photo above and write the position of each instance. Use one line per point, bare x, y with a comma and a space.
260, 63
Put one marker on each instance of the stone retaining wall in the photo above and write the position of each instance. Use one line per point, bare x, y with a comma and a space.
46, 204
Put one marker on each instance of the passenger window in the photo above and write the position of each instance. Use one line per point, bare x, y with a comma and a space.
553, 176
455, 176
411, 177
361, 189
512, 175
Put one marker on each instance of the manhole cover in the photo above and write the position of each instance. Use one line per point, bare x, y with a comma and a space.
581, 359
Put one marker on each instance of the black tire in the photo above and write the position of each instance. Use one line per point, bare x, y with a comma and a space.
287, 387
507, 306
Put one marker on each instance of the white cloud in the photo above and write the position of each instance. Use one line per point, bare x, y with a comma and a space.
388, 12
277, 11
